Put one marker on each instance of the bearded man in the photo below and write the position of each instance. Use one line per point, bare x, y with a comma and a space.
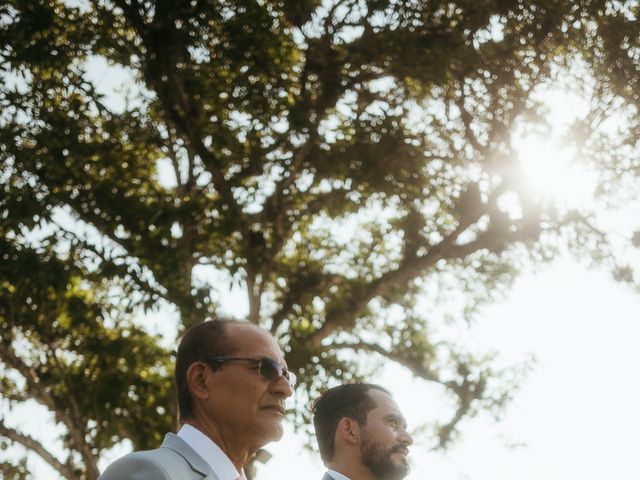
361, 433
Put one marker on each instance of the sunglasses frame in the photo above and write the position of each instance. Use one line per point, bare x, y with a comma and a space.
268, 368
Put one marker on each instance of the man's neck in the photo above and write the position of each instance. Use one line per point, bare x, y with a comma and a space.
236, 450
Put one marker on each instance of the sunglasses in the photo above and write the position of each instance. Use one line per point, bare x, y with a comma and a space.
267, 368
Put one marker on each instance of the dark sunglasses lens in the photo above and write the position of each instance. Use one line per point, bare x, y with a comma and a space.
269, 369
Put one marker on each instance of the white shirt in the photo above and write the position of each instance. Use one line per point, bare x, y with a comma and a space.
337, 475
210, 452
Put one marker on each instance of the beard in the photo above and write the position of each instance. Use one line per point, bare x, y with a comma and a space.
377, 458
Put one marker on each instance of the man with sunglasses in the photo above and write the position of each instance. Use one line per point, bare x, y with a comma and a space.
231, 382
362, 435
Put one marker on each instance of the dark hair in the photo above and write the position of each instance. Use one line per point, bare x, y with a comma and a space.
350, 401
206, 339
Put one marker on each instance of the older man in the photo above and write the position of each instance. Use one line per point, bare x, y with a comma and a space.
232, 381
361, 434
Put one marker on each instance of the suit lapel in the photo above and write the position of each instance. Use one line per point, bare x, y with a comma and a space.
196, 462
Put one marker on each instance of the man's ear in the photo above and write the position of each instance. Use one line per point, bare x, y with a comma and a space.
197, 380
349, 430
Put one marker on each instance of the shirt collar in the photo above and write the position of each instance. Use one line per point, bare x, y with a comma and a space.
210, 452
337, 475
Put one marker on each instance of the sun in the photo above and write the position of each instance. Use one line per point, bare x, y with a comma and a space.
554, 172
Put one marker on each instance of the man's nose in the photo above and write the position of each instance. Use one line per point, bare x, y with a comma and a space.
405, 438
282, 387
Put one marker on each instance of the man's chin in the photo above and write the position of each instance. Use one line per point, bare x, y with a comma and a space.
273, 431
400, 466
401, 470
278, 434
394, 468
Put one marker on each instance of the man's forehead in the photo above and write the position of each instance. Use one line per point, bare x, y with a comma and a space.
385, 405
248, 339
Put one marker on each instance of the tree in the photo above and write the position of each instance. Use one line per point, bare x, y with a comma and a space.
337, 160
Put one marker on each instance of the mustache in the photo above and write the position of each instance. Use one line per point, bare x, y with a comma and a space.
400, 448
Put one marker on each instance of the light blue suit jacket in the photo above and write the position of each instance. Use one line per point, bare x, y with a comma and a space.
174, 460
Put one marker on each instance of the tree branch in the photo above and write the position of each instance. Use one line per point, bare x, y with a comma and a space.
9, 356
77, 427
160, 74
413, 364
408, 269
173, 156
33, 445
133, 15
39, 393
466, 118
306, 284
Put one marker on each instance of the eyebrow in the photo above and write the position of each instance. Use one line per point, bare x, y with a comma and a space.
398, 418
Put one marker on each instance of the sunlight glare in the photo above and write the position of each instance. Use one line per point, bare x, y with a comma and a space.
553, 172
